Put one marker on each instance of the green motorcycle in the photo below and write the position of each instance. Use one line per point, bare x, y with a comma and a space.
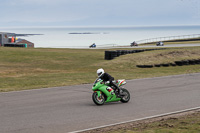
103, 93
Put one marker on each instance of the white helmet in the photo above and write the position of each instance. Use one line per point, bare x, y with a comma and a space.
100, 72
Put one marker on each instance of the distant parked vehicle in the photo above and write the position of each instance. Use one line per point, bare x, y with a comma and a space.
92, 46
159, 43
133, 44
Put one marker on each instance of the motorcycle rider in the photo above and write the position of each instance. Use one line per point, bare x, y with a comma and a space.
106, 77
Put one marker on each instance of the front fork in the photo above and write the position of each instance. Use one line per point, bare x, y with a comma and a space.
98, 93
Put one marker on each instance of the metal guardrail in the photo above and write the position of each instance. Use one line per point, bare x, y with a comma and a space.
108, 45
168, 38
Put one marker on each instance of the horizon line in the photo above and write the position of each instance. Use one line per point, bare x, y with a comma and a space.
99, 26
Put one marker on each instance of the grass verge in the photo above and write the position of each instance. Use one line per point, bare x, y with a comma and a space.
22, 69
189, 123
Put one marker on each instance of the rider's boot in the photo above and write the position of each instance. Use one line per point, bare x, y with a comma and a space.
117, 92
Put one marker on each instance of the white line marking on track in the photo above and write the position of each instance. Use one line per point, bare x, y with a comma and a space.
145, 118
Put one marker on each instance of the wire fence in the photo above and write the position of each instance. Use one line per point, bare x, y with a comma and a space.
180, 37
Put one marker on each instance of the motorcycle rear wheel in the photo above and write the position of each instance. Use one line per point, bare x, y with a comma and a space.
126, 96
98, 100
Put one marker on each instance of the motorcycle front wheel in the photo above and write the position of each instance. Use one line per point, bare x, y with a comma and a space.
126, 96
98, 100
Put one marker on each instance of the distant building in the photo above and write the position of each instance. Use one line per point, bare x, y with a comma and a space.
23, 41
6, 37
9, 40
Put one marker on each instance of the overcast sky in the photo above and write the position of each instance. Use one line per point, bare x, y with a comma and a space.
99, 12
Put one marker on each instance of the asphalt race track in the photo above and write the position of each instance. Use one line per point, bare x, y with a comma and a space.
67, 109
150, 46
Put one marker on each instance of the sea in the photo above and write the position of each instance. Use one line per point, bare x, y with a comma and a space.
83, 37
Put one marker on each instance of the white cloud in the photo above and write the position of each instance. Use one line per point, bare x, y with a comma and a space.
99, 11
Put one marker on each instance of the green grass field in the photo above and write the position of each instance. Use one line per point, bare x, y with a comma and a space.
22, 68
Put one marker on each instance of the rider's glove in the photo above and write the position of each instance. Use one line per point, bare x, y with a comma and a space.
107, 82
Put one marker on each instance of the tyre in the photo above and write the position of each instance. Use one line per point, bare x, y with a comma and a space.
126, 95
185, 62
98, 100
148, 66
191, 62
179, 63
118, 53
172, 64
165, 65
140, 66
197, 61
157, 65
107, 55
